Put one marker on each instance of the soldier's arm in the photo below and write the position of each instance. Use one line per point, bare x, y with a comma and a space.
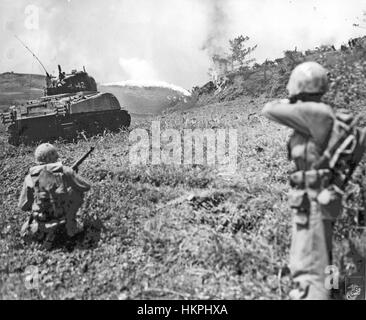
26, 196
310, 119
277, 111
76, 182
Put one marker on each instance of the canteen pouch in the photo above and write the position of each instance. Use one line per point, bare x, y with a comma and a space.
297, 179
313, 179
300, 203
330, 200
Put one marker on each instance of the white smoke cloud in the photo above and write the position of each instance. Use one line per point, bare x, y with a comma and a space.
148, 84
138, 69
141, 74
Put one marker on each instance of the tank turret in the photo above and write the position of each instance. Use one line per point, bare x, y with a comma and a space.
74, 82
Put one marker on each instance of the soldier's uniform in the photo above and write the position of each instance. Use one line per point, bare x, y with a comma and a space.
317, 187
53, 205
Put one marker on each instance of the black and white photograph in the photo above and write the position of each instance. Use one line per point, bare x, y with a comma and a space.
202, 152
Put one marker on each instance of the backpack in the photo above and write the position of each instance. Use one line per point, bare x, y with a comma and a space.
345, 148
50, 194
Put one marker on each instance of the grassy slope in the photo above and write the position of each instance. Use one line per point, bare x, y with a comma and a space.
228, 243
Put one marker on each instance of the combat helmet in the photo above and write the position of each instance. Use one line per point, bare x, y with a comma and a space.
46, 153
308, 77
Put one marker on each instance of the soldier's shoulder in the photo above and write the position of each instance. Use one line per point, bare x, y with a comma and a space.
313, 104
35, 170
316, 107
278, 102
270, 106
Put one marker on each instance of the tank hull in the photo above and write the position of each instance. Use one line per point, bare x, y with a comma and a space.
53, 127
51, 118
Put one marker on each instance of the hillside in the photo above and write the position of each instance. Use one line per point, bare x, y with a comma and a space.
346, 66
145, 98
16, 88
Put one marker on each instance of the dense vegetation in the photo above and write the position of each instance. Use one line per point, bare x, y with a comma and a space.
269, 79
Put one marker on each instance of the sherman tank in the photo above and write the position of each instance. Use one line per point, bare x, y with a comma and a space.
71, 104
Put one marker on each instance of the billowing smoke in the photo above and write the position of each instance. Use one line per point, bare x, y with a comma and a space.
140, 73
138, 69
217, 28
148, 84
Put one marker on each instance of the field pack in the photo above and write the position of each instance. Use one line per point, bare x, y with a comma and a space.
50, 193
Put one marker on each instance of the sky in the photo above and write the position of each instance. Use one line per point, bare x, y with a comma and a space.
164, 40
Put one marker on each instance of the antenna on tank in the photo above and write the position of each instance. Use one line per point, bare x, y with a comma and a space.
24, 45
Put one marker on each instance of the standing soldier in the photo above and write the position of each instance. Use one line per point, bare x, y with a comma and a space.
53, 193
326, 147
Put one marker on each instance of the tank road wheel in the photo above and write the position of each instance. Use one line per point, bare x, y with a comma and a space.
14, 140
90, 125
93, 124
118, 121
113, 123
68, 130
98, 126
14, 137
104, 122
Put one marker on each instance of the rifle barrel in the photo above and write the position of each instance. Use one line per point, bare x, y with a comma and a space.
81, 160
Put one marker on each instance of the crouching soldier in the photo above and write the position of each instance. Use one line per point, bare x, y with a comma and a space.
53, 193
326, 147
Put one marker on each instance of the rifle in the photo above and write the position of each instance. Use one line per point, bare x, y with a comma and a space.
76, 165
